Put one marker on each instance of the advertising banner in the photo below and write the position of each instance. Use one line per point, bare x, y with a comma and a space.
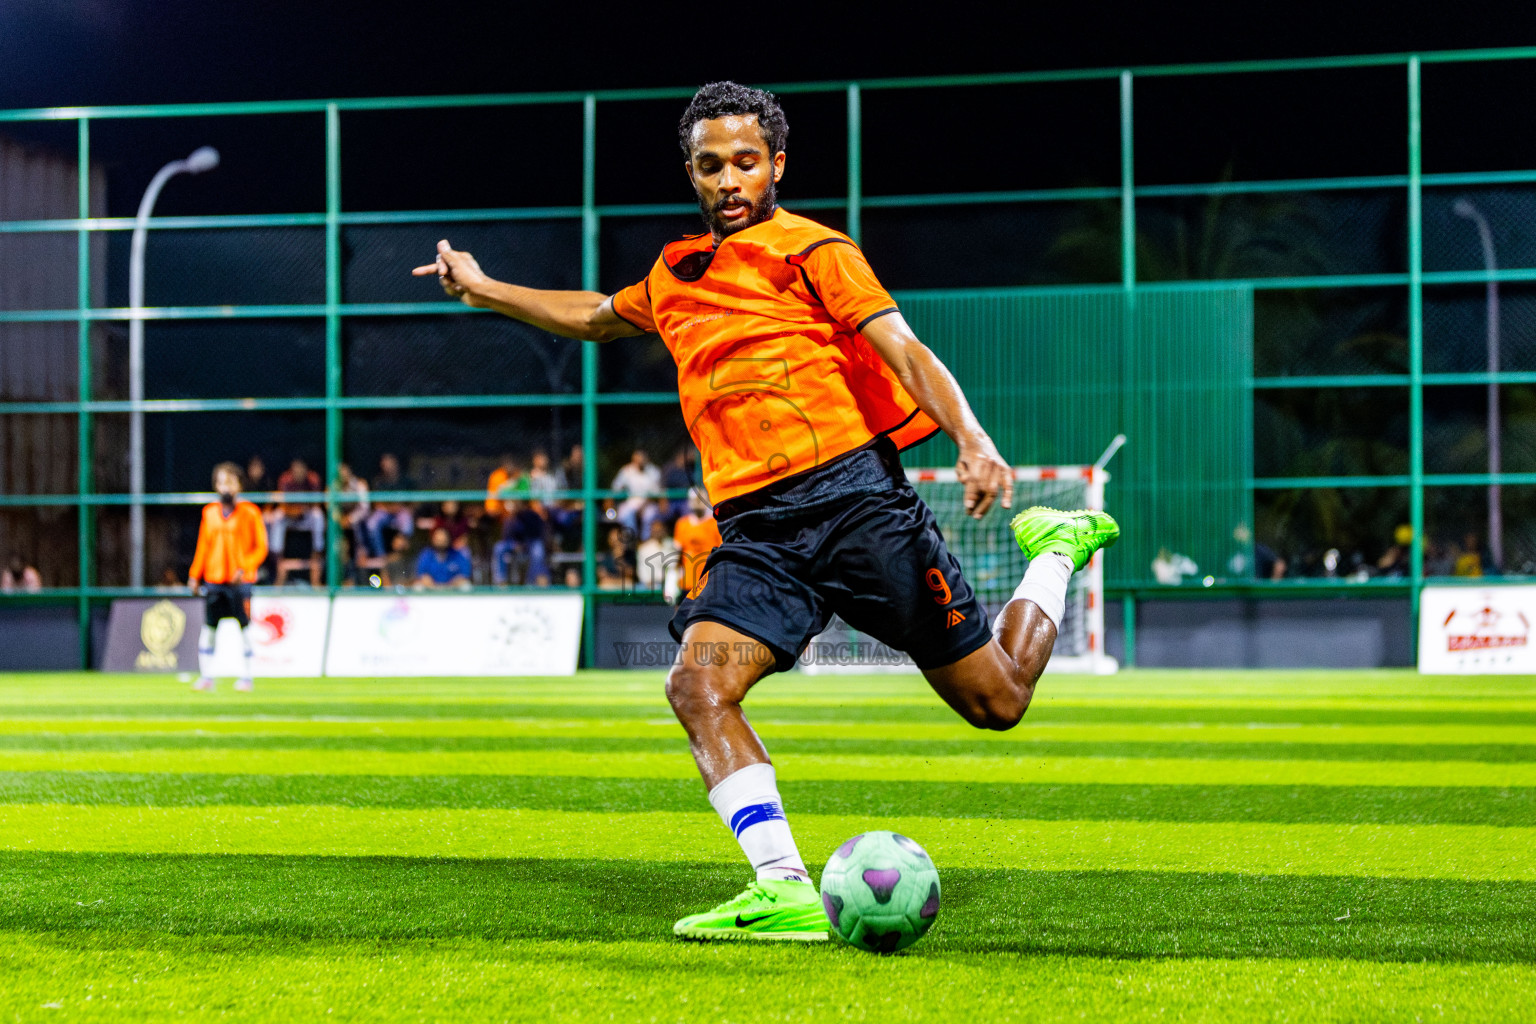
454, 635
287, 638
1477, 630
153, 635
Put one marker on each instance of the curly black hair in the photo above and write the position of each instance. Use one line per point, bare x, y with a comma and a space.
721, 99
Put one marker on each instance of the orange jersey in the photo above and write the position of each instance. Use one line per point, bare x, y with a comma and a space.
772, 371
229, 545
695, 539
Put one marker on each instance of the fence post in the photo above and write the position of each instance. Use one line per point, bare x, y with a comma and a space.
333, 380
85, 512
589, 252
1415, 345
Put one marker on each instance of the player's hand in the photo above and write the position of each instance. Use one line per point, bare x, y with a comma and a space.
193, 586
986, 476
458, 273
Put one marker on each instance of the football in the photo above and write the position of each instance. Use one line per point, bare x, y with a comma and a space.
881, 892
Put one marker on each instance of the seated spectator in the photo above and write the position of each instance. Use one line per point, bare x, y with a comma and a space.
390, 517
298, 530
1470, 561
615, 571
1396, 561
678, 476
396, 571
443, 566
352, 511
696, 535
640, 481
656, 559
522, 545
21, 575
452, 518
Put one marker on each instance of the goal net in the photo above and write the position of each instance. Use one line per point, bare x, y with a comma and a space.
994, 566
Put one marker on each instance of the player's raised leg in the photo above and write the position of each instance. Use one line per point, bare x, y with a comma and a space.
718, 666
991, 688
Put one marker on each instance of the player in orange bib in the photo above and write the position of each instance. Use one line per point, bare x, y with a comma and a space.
231, 545
800, 382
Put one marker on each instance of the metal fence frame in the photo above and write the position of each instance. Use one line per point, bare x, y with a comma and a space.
590, 213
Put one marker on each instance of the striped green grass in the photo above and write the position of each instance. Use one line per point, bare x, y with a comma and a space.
1205, 846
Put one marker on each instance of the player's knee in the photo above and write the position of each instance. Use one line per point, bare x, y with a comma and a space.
692, 689
998, 712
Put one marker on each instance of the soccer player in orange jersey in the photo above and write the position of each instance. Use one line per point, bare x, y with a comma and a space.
800, 382
231, 545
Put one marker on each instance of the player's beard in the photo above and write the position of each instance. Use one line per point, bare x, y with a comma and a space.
226, 499
761, 211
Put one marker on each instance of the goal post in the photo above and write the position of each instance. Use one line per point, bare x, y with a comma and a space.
994, 566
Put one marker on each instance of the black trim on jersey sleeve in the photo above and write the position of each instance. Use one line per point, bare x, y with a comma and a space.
627, 320
875, 316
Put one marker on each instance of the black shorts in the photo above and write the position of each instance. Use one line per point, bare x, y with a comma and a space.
850, 538
226, 601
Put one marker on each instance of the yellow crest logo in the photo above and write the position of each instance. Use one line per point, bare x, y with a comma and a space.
161, 628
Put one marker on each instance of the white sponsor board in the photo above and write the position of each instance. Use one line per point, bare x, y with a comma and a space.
454, 635
1477, 630
287, 638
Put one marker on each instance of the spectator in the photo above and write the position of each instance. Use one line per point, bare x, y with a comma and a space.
20, 575
1395, 561
572, 469
452, 518
640, 481
656, 559
543, 481
255, 477
696, 535
352, 512
299, 533
443, 566
1470, 561
614, 568
678, 476
523, 541
396, 571
507, 482
391, 516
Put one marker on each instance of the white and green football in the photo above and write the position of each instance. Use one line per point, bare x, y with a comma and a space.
881, 892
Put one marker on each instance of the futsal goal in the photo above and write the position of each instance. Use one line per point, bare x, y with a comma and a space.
994, 566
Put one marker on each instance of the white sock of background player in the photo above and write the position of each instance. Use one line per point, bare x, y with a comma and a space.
748, 802
205, 652
245, 643
1045, 583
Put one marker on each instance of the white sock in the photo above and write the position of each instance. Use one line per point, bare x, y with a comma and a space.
205, 652
1045, 583
748, 802
245, 642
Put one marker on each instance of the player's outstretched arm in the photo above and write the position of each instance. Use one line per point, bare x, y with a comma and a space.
588, 316
985, 474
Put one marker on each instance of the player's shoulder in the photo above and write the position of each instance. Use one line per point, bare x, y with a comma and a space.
803, 233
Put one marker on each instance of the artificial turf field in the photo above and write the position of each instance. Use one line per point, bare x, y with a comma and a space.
1154, 845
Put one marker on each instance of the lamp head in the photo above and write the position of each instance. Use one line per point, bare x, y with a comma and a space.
1463, 208
203, 158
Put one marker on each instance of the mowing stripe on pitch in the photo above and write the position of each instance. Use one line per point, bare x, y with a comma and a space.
1473, 852
893, 768
1450, 734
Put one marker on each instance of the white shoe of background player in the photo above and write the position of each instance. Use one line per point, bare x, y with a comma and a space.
204, 683
244, 685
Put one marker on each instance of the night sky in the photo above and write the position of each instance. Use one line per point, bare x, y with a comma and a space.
58, 52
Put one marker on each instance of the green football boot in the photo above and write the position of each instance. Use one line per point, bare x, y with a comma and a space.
768, 911
1076, 534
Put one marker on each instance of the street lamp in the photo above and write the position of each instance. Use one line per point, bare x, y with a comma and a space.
1464, 208
204, 158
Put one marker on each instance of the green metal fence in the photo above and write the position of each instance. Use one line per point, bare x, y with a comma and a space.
1383, 378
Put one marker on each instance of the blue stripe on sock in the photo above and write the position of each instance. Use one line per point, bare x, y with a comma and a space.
756, 814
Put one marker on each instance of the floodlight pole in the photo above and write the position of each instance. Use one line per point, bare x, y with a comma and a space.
205, 158
1464, 208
